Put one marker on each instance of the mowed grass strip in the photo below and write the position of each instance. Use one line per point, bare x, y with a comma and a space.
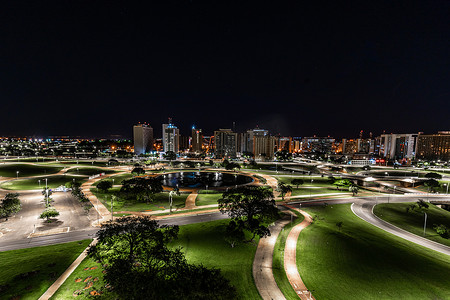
207, 199
53, 181
28, 273
88, 171
160, 202
362, 261
26, 170
202, 243
413, 221
278, 259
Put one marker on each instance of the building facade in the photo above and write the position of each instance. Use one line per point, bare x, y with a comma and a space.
398, 146
196, 140
143, 138
434, 146
170, 138
225, 142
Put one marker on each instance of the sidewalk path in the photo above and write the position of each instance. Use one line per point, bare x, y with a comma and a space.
55, 286
290, 255
190, 201
262, 263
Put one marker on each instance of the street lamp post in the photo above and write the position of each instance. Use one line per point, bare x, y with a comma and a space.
17, 173
46, 190
425, 224
39, 181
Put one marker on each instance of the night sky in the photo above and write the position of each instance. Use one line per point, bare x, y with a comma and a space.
93, 68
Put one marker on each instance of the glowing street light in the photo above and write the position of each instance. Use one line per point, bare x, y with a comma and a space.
17, 173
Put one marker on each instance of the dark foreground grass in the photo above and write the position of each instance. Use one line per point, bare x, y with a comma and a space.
26, 170
412, 221
364, 262
278, 259
53, 181
202, 243
28, 273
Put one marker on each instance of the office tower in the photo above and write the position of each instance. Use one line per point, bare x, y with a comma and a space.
225, 141
143, 138
196, 140
170, 137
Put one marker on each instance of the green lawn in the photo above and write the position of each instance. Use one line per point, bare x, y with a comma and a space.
33, 183
412, 221
278, 260
89, 171
202, 243
28, 273
320, 185
118, 178
161, 201
442, 189
207, 199
26, 170
365, 262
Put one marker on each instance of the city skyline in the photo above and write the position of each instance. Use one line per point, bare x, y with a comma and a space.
92, 69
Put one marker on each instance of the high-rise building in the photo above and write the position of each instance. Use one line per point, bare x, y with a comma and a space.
246, 139
143, 138
225, 141
318, 144
434, 146
263, 146
398, 146
170, 137
196, 140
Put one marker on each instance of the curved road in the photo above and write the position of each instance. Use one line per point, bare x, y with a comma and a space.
364, 210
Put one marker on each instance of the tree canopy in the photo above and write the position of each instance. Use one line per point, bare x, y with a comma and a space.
249, 208
140, 188
104, 185
170, 155
433, 175
10, 205
297, 182
283, 155
140, 265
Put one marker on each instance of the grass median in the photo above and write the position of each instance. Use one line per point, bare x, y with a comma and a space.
278, 259
413, 221
361, 261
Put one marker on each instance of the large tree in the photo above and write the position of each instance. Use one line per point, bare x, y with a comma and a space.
431, 184
250, 208
104, 185
433, 175
10, 205
142, 189
170, 155
283, 189
297, 182
140, 265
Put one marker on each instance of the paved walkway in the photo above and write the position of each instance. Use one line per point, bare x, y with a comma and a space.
56, 285
190, 201
262, 263
364, 210
290, 255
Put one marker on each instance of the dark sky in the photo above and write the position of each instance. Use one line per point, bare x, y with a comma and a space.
93, 68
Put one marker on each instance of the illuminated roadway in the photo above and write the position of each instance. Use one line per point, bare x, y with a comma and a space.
90, 232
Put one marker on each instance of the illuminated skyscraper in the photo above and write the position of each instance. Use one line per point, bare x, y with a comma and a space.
143, 138
170, 137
